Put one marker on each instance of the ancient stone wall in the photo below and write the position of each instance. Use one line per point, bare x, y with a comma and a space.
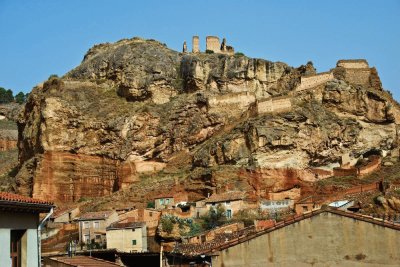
278, 104
195, 44
358, 76
373, 165
213, 44
242, 99
353, 64
314, 80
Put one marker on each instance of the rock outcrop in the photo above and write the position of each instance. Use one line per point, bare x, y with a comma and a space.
136, 109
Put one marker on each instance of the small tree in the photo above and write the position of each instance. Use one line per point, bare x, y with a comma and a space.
167, 225
20, 98
214, 218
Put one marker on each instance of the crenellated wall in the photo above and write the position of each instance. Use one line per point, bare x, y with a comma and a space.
314, 80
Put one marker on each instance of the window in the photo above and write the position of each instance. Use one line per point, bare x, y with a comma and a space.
85, 225
96, 225
86, 238
305, 208
229, 214
98, 237
166, 201
133, 229
151, 214
162, 201
134, 242
228, 203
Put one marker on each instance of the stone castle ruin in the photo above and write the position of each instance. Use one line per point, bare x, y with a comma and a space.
358, 72
212, 44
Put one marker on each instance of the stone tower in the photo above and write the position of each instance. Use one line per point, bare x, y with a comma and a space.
212, 44
195, 44
184, 48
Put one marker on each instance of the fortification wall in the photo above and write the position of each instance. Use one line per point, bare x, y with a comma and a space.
213, 44
313, 81
274, 105
243, 99
353, 64
372, 166
357, 76
195, 44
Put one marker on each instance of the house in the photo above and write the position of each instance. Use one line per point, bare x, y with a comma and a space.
307, 204
127, 237
20, 228
210, 235
77, 261
232, 202
66, 215
327, 237
150, 217
164, 201
276, 205
92, 226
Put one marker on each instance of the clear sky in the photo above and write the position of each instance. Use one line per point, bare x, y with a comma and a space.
44, 37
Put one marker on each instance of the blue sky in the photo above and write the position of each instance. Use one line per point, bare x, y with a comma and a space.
44, 37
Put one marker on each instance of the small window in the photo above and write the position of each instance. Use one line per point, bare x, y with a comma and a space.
86, 238
86, 225
96, 225
133, 229
166, 201
305, 208
162, 201
98, 237
151, 214
227, 202
229, 214
134, 242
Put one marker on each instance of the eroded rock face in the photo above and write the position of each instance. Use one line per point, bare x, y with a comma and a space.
136, 108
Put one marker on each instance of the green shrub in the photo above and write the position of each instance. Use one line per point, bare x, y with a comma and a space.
167, 225
209, 51
150, 205
239, 54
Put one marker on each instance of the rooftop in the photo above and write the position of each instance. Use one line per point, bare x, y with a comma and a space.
96, 215
84, 261
126, 225
14, 202
227, 196
227, 240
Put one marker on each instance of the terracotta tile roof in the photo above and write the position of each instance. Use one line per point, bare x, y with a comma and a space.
59, 212
9, 197
84, 261
129, 225
227, 196
96, 215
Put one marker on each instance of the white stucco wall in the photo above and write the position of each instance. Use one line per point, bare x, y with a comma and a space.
4, 249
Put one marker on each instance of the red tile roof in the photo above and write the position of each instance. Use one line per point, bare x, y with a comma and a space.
9, 197
227, 196
127, 225
96, 215
84, 261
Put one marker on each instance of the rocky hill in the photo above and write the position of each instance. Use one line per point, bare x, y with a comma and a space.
138, 118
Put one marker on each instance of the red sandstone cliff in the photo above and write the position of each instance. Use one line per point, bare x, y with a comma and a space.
137, 114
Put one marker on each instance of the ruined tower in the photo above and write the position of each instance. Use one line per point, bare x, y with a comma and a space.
212, 44
184, 48
195, 44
